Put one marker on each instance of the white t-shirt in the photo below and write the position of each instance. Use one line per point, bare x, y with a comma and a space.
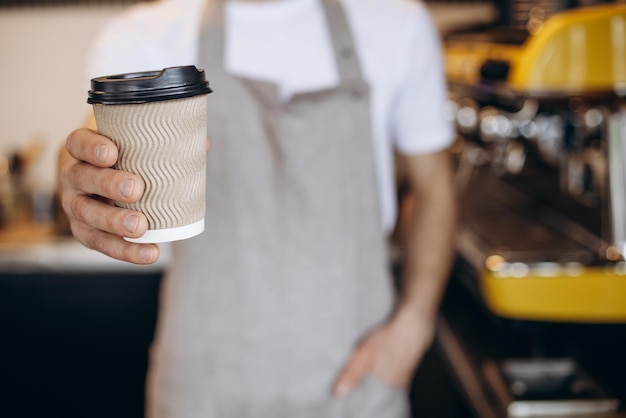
287, 42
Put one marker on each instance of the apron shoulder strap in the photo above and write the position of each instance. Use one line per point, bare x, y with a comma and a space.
344, 46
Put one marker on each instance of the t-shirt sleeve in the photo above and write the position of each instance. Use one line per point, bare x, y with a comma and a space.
420, 123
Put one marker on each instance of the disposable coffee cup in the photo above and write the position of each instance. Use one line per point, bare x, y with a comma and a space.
158, 120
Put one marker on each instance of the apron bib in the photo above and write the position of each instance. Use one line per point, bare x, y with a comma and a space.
260, 312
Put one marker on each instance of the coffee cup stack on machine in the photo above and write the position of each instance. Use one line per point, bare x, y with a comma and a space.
158, 120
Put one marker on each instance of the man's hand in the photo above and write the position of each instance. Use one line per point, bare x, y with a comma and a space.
390, 353
87, 188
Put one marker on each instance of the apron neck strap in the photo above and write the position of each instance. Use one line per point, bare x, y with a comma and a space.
343, 43
212, 38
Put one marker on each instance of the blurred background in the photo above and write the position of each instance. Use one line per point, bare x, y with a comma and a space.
533, 323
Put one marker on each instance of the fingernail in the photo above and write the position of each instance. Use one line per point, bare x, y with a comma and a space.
147, 253
126, 188
102, 152
342, 390
131, 222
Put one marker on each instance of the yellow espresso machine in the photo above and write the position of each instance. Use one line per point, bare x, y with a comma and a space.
541, 159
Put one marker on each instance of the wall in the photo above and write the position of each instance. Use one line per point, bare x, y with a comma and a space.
42, 53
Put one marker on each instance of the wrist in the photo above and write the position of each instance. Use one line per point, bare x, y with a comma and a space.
413, 315
418, 310
416, 327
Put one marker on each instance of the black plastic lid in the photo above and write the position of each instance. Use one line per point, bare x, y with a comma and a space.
149, 86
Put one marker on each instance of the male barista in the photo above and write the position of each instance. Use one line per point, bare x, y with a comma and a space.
284, 307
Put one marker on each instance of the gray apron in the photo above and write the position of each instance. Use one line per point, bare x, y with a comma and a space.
259, 313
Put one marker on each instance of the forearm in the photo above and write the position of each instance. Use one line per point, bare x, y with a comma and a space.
428, 247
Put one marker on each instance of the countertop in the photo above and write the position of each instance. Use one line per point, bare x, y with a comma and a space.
28, 248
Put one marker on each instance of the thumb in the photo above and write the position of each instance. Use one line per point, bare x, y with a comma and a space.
357, 367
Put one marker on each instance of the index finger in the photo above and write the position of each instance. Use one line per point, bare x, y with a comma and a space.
359, 364
89, 146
